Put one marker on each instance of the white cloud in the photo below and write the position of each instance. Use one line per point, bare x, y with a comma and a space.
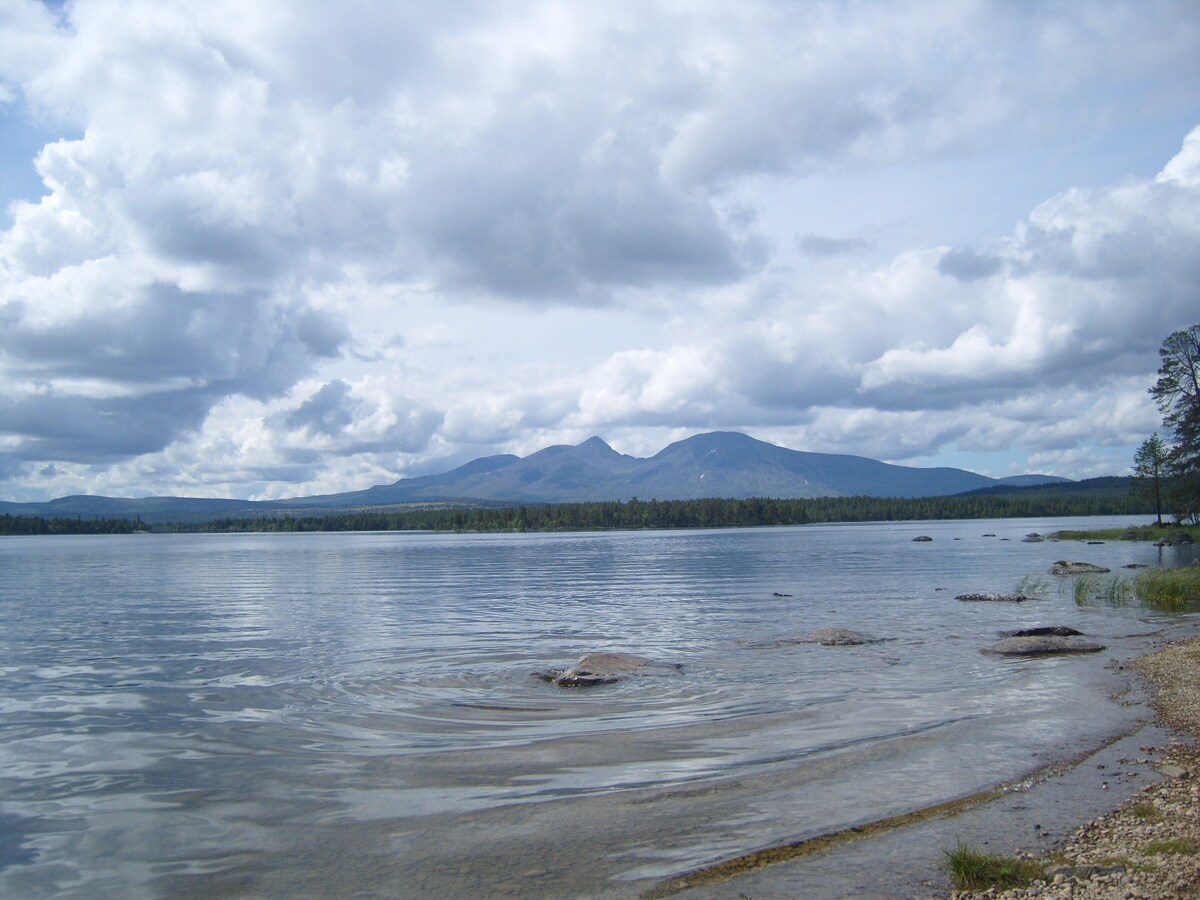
285, 248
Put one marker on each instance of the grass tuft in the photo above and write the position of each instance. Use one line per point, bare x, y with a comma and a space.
1178, 846
972, 869
1147, 812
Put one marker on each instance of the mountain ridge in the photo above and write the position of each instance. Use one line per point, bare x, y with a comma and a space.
719, 464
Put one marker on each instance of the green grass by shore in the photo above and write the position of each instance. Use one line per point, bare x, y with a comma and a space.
1168, 534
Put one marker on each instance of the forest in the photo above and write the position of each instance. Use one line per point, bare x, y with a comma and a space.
1102, 496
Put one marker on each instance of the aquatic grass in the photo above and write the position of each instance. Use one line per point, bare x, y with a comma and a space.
1169, 590
972, 869
1035, 585
1112, 590
1162, 589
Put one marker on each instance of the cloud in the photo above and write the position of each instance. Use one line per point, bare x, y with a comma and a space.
822, 246
968, 265
292, 244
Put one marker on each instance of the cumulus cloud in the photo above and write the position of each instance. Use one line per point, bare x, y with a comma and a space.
284, 248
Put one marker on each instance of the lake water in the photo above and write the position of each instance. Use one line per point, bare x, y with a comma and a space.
353, 714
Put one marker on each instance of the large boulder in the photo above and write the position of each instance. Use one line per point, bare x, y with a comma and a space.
1042, 645
1066, 567
605, 668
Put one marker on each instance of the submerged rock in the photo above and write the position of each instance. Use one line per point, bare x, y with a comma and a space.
1066, 567
828, 637
839, 637
605, 668
1042, 645
1043, 630
993, 598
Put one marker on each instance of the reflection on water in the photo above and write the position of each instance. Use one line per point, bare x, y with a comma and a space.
279, 714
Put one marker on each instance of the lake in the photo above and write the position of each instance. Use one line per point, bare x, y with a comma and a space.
309, 715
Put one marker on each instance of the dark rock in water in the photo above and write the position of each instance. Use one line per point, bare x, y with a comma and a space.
1043, 630
1093, 543
778, 594
922, 537
994, 598
1135, 566
1042, 645
989, 534
1066, 567
605, 668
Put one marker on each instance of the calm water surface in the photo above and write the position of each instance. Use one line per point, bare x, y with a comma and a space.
308, 715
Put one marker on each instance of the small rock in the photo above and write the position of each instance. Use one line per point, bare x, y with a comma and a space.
1066, 567
1167, 770
993, 598
1043, 630
922, 537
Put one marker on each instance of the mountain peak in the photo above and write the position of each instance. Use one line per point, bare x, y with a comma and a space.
595, 442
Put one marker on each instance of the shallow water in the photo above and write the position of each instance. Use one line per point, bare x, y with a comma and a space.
268, 715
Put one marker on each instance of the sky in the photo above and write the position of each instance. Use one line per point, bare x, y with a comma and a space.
272, 249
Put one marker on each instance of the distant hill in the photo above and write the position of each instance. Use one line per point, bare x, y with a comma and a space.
1110, 486
718, 464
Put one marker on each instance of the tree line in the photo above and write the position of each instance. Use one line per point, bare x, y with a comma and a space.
1111, 496
15, 525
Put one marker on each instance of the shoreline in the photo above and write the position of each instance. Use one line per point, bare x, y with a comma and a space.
1149, 846
1110, 787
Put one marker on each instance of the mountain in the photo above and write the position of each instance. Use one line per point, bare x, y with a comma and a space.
718, 464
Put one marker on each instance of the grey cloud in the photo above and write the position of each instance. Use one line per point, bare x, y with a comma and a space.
235, 342
327, 412
80, 429
533, 208
175, 354
969, 265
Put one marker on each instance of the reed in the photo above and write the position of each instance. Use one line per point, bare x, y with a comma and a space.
1112, 590
1170, 590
